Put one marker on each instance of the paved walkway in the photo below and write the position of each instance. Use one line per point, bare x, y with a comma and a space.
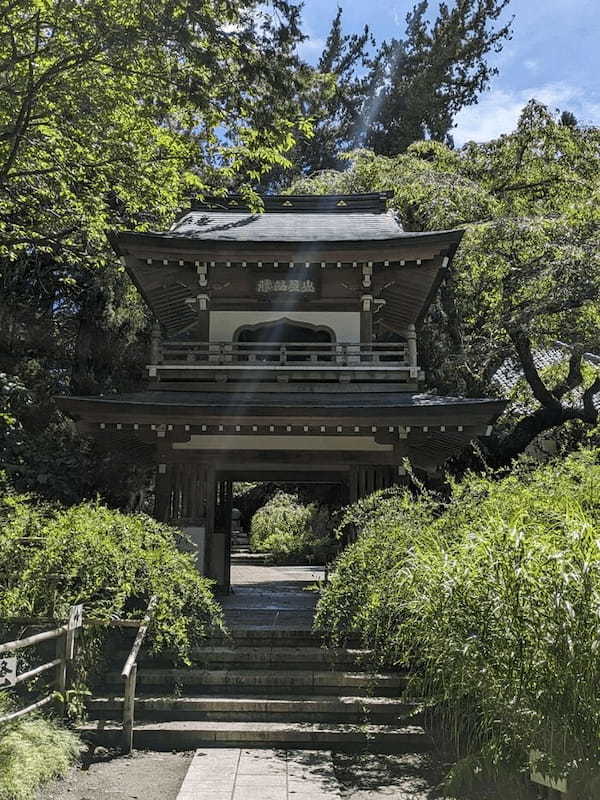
235, 774
238, 774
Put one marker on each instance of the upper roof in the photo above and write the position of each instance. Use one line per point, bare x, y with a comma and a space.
307, 226
317, 231
291, 218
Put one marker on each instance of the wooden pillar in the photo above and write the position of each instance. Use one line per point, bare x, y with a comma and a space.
227, 513
412, 346
155, 355
162, 493
353, 485
203, 318
366, 319
215, 534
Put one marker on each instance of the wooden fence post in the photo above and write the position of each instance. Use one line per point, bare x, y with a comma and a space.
128, 707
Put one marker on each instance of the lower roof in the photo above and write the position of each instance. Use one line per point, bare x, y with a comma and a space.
246, 402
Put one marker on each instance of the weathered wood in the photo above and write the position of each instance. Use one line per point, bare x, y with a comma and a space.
60, 680
27, 710
33, 673
36, 638
129, 709
142, 631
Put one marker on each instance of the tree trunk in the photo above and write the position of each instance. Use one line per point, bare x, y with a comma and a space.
502, 451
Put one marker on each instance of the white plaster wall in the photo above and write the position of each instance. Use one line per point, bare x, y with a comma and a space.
345, 324
197, 534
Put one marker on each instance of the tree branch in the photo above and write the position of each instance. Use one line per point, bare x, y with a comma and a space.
574, 377
590, 410
540, 391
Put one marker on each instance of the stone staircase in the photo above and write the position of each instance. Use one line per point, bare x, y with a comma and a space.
261, 688
241, 553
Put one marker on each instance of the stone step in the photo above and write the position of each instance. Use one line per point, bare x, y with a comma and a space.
187, 735
263, 681
286, 708
240, 657
269, 618
258, 559
244, 636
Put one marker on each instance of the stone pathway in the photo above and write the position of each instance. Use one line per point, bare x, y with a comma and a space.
238, 774
271, 598
235, 774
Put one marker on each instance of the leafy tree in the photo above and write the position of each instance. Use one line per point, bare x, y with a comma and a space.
333, 98
110, 115
527, 274
419, 83
408, 89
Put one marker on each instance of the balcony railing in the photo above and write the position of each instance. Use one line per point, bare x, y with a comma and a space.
283, 354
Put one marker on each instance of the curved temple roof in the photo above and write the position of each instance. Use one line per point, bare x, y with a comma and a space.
243, 226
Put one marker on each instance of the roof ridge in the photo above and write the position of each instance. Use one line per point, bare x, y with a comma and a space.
300, 203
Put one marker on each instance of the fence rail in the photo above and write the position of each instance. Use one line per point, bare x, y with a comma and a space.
339, 354
64, 635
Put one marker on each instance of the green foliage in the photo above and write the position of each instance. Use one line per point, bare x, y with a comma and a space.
419, 83
491, 601
293, 533
388, 96
527, 273
111, 115
33, 751
52, 558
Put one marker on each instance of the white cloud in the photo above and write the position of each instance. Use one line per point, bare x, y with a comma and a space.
498, 111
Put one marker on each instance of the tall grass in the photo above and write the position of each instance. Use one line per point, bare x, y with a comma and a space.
493, 602
33, 750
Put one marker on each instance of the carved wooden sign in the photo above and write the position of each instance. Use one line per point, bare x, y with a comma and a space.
273, 286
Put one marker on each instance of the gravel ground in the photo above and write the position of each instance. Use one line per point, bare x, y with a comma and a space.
144, 776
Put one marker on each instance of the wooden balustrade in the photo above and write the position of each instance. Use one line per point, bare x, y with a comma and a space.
340, 354
64, 635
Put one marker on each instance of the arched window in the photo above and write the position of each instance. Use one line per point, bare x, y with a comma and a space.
266, 340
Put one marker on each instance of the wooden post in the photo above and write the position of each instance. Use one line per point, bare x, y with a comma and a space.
366, 319
61, 673
155, 354
211, 555
128, 709
162, 493
412, 346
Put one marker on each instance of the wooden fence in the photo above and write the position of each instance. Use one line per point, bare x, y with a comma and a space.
64, 635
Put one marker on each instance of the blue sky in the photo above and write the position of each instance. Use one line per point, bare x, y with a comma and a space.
554, 56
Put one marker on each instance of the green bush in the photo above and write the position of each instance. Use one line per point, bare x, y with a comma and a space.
292, 533
492, 600
33, 750
52, 558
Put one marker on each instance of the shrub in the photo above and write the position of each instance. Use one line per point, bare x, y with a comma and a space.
33, 750
52, 558
493, 602
292, 533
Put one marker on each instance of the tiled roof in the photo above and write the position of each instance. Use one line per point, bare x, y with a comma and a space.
242, 400
309, 226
